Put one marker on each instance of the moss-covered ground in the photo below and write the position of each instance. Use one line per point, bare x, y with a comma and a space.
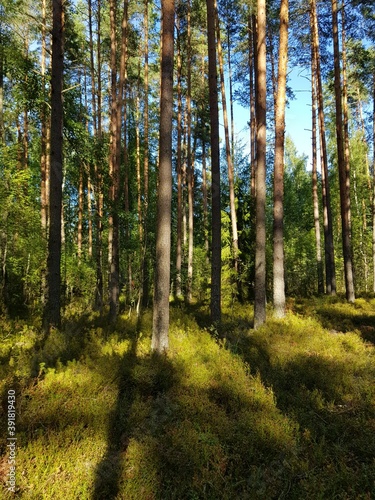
287, 411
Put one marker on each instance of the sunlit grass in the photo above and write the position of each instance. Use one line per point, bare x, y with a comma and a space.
287, 411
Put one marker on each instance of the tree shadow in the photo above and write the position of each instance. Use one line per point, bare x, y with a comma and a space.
142, 383
333, 407
109, 470
347, 321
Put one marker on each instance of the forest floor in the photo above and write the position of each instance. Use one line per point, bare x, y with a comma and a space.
287, 411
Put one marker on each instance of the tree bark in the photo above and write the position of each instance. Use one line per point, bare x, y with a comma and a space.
52, 313
260, 179
232, 199
113, 229
215, 167
278, 208
253, 123
343, 166
319, 261
373, 182
178, 289
45, 147
327, 212
190, 176
80, 215
144, 270
160, 326
2, 131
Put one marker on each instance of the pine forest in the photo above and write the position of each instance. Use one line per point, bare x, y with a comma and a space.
187, 287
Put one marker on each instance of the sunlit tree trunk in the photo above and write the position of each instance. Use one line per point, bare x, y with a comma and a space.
373, 193
215, 167
253, 124
278, 209
319, 261
45, 143
2, 134
232, 200
190, 176
89, 219
327, 212
113, 229
343, 164
230, 74
52, 313
144, 266
160, 326
178, 289
205, 200
260, 178
96, 103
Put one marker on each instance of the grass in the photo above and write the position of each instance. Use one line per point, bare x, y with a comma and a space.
287, 411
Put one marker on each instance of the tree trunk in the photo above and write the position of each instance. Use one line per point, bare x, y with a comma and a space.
215, 167
113, 230
52, 313
327, 212
160, 327
260, 179
253, 123
278, 208
230, 91
2, 131
373, 192
343, 165
144, 270
80, 215
232, 199
178, 289
89, 221
205, 201
45, 150
319, 262
190, 176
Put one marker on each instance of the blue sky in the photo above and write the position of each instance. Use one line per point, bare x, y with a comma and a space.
298, 114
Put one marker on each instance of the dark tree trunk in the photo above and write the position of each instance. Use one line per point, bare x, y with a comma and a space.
215, 167
52, 313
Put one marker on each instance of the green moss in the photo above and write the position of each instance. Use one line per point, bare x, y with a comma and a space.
287, 410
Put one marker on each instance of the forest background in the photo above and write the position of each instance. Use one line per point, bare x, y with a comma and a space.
127, 192
93, 62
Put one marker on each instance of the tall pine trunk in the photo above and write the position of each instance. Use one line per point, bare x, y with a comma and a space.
343, 164
178, 287
319, 261
326, 197
278, 209
229, 153
373, 182
52, 313
113, 229
160, 326
260, 177
252, 86
144, 267
190, 174
215, 168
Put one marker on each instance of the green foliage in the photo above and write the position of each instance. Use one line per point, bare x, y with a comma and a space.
299, 235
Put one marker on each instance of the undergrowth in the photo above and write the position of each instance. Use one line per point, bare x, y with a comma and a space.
287, 411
